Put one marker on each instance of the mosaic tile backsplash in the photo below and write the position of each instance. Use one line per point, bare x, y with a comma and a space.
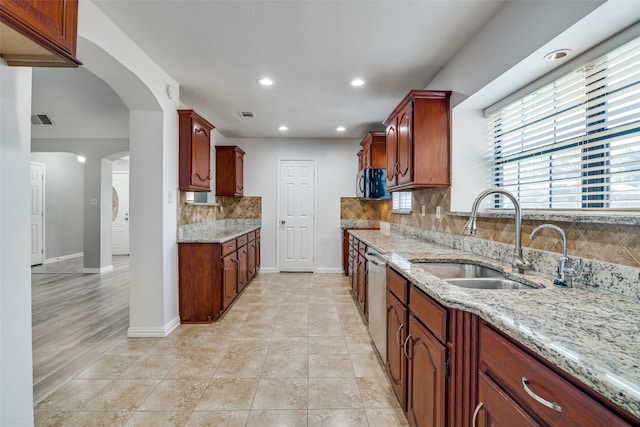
227, 208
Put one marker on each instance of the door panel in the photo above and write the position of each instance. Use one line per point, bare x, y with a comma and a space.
297, 215
405, 146
120, 216
37, 213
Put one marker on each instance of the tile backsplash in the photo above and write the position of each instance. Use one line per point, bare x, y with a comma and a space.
226, 208
612, 243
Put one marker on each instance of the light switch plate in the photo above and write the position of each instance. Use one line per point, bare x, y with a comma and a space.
93, 201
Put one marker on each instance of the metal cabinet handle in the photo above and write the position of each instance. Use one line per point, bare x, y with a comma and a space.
398, 333
475, 415
405, 347
551, 405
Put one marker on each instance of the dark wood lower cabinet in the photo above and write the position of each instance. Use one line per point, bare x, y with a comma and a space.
497, 408
426, 377
211, 275
396, 360
454, 362
229, 279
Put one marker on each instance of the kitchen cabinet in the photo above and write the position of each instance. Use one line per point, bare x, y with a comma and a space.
195, 152
417, 141
212, 275
374, 152
357, 272
417, 352
39, 33
229, 171
529, 389
396, 362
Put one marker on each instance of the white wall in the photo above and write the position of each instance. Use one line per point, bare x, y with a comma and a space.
64, 209
16, 378
336, 176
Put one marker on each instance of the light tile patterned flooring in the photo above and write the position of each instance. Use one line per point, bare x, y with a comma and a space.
292, 351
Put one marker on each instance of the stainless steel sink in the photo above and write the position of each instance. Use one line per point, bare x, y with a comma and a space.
450, 270
472, 276
489, 283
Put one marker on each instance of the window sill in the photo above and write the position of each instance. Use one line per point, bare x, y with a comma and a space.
201, 204
401, 212
584, 216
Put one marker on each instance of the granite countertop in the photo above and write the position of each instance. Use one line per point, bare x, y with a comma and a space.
213, 233
592, 335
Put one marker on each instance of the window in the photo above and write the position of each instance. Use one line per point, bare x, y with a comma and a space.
401, 201
574, 143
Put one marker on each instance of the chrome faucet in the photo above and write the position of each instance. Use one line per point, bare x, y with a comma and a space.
567, 269
518, 263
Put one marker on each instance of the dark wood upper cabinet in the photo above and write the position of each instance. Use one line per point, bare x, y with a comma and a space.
418, 141
39, 33
195, 152
229, 171
374, 154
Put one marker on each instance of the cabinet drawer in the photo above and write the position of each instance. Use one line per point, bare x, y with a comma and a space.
498, 409
252, 236
429, 312
397, 285
242, 240
228, 247
509, 366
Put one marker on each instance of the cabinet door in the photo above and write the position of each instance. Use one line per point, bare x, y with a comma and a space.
257, 251
392, 154
200, 156
426, 378
239, 172
497, 408
405, 146
52, 24
229, 279
251, 259
396, 336
243, 269
361, 291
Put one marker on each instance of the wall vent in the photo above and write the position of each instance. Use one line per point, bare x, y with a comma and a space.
246, 114
41, 119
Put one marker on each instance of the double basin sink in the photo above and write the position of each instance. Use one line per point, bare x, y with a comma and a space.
472, 276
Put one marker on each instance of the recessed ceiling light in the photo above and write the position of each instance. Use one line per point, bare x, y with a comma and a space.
266, 81
357, 82
283, 128
81, 159
341, 128
557, 55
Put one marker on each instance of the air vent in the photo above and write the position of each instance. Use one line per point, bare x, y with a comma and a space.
246, 114
41, 119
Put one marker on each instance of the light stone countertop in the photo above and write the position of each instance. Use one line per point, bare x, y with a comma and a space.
213, 233
592, 335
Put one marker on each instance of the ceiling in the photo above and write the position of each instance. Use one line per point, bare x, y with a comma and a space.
217, 50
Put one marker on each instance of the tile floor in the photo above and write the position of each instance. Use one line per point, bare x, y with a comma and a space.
292, 351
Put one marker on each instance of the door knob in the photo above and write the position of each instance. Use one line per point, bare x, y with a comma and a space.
282, 221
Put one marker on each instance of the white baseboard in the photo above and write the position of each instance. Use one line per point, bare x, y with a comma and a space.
100, 270
62, 258
154, 332
331, 270
268, 270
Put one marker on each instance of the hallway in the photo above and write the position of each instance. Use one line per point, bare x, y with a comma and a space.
292, 351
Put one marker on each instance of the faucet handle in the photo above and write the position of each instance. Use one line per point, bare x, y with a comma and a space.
573, 267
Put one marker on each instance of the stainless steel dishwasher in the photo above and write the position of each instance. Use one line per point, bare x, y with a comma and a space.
377, 301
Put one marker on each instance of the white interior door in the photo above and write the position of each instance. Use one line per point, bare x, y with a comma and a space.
37, 213
120, 214
296, 206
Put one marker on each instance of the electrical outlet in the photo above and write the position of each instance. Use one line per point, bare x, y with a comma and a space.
170, 197
424, 210
437, 212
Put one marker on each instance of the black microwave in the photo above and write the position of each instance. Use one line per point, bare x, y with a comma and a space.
372, 184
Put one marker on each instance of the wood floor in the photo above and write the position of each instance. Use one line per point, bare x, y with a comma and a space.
75, 319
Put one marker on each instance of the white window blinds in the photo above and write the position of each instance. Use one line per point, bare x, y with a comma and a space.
574, 143
401, 201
